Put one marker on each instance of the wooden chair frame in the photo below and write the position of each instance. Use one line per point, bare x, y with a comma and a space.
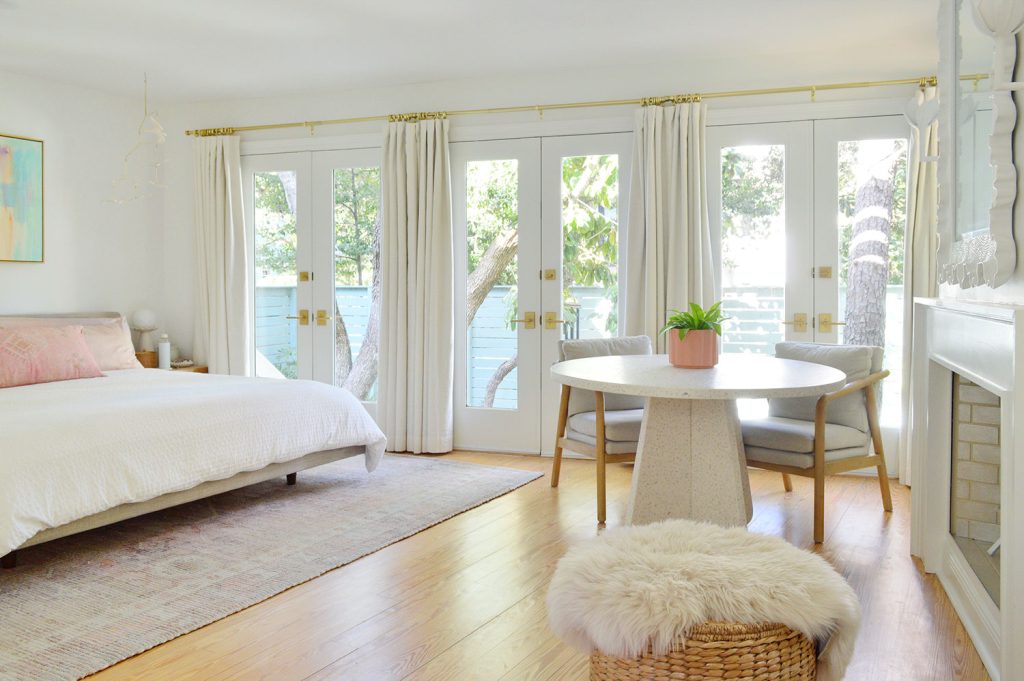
601, 457
821, 468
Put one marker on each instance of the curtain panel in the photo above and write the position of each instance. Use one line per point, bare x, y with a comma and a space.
223, 335
415, 394
668, 244
919, 269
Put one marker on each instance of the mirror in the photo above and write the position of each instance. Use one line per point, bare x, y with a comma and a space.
977, 180
974, 118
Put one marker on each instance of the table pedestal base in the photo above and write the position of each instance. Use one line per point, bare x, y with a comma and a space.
690, 464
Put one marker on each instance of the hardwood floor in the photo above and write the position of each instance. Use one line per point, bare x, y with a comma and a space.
466, 599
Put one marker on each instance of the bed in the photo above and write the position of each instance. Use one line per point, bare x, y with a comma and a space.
80, 454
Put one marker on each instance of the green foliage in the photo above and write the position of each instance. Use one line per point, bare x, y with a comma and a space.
590, 197
287, 362
356, 207
492, 208
275, 226
696, 319
590, 228
753, 191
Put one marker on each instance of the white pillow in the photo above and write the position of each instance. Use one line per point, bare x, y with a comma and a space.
111, 344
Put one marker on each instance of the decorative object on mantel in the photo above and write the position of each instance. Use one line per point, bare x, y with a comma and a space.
144, 321
976, 242
182, 364
21, 201
140, 170
695, 343
680, 599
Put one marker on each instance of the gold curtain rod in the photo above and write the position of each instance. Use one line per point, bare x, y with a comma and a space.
922, 81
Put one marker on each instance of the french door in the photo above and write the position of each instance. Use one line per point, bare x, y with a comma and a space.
315, 225
808, 219
537, 224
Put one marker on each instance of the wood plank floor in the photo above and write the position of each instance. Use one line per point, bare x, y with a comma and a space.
465, 599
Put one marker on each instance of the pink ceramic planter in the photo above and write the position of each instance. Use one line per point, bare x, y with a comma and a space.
699, 350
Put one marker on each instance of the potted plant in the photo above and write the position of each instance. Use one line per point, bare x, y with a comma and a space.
695, 345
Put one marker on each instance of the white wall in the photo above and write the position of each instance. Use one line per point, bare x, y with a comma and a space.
551, 87
98, 255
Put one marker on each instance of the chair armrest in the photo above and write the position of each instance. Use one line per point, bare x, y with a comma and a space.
851, 388
822, 407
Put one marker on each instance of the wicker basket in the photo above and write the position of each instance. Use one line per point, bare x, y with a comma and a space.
720, 650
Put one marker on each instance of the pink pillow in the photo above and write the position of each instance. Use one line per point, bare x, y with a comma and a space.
111, 344
43, 354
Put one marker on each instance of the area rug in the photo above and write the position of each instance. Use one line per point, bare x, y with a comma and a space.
80, 604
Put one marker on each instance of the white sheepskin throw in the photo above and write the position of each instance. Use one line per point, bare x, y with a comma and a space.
648, 585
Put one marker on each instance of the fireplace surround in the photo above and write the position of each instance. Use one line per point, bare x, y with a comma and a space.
975, 345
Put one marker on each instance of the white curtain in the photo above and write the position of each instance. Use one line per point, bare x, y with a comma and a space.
222, 330
668, 238
417, 294
919, 276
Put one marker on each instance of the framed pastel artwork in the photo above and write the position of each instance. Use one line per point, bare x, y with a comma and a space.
21, 199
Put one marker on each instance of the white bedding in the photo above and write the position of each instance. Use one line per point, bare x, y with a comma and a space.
73, 448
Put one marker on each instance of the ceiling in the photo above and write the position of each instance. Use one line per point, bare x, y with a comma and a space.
220, 49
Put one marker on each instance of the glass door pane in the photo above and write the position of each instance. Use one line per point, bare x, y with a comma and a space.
871, 221
495, 192
753, 243
590, 246
356, 279
759, 200
275, 198
585, 190
860, 209
492, 275
346, 198
276, 273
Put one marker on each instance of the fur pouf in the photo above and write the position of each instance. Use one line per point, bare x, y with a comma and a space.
649, 584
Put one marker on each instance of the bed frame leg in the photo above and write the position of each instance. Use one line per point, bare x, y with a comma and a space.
9, 561
291, 478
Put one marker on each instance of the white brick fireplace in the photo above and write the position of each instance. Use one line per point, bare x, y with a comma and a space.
964, 475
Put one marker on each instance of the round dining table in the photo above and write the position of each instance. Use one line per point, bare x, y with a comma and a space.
690, 461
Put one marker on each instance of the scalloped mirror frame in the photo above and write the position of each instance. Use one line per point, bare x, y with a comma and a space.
986, 258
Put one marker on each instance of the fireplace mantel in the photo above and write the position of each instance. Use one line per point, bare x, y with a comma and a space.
980, 342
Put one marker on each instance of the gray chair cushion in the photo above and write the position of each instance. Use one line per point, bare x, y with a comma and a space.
792, 435
856, 361
622, 425
799, 459
581, 400
610, 447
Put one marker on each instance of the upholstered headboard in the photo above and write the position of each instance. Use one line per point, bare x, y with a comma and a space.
82, 318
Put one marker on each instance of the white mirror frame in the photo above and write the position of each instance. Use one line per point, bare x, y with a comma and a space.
991, 257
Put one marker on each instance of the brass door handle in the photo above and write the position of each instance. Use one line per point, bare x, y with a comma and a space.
303, 317
322, 317
551, 320
799, 322
825, 322
529, 320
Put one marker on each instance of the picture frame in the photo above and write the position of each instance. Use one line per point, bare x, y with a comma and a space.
21, 199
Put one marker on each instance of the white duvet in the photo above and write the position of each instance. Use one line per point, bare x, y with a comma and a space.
73, 448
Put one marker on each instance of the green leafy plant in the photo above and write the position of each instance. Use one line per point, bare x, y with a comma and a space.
697, 319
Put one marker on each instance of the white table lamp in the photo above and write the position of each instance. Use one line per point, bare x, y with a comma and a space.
144, 321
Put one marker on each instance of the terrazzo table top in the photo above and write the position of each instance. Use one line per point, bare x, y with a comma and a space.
736, 376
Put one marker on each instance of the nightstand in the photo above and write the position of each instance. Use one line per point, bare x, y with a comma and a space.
193, 369
149, 361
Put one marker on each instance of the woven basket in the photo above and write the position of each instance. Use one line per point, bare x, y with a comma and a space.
720, 650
